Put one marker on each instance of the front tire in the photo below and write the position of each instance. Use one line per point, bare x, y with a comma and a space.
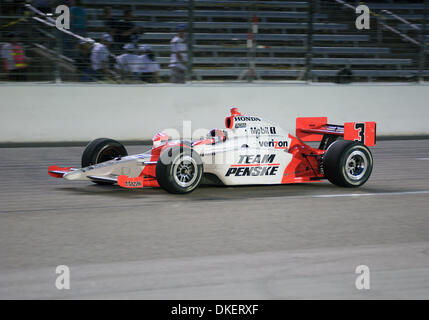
347, 163
101, 150
179, 170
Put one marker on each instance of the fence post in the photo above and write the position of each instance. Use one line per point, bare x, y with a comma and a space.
190, 38
379, 32
59, 51
251, 34
423, 42
309, 53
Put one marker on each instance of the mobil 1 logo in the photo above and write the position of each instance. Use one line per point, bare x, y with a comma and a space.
263, 130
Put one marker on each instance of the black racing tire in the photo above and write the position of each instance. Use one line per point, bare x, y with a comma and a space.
101, 150
179, 170
347, 163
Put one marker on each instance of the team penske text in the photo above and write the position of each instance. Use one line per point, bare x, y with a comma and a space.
252, 171
254, 165
258, 158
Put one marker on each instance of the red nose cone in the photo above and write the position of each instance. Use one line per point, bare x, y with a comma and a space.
234, 112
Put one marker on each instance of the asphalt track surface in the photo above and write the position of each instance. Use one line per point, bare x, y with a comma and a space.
257, 242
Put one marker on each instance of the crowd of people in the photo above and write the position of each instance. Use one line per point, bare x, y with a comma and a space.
95, 61
117, 55
119, 51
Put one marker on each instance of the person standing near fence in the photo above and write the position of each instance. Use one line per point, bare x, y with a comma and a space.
111, 27
83, 59
149, 65
126, 30
100, 57
78, 18
179, 56
129, 63
14, 59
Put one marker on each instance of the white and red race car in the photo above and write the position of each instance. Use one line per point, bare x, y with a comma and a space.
249, 151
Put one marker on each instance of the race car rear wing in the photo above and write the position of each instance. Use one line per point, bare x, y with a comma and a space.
318, 128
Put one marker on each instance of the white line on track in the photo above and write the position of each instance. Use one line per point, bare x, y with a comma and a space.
422, 158
394, 193
346, 195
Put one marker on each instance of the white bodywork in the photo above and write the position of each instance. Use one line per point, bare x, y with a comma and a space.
110, 170
254, 152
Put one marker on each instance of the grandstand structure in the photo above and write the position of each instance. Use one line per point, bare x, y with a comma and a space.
294, 40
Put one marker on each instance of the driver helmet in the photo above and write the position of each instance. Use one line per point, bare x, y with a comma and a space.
218, 135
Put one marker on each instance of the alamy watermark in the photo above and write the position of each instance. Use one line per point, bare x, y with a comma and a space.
63, 17
362, 282
62, 282
362, 22
363, 279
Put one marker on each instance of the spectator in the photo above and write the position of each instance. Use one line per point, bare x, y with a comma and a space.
78, 19
110, 23
111, 27
83, 60
14, 60
129, 64
127, 31
149, 66
100, 57
179, 56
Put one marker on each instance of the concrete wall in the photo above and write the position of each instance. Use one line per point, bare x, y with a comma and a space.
51, 113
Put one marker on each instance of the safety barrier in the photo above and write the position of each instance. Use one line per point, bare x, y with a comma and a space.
55, 113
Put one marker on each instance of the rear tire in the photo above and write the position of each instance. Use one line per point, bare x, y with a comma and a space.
101, 150
347, 163
179, 170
